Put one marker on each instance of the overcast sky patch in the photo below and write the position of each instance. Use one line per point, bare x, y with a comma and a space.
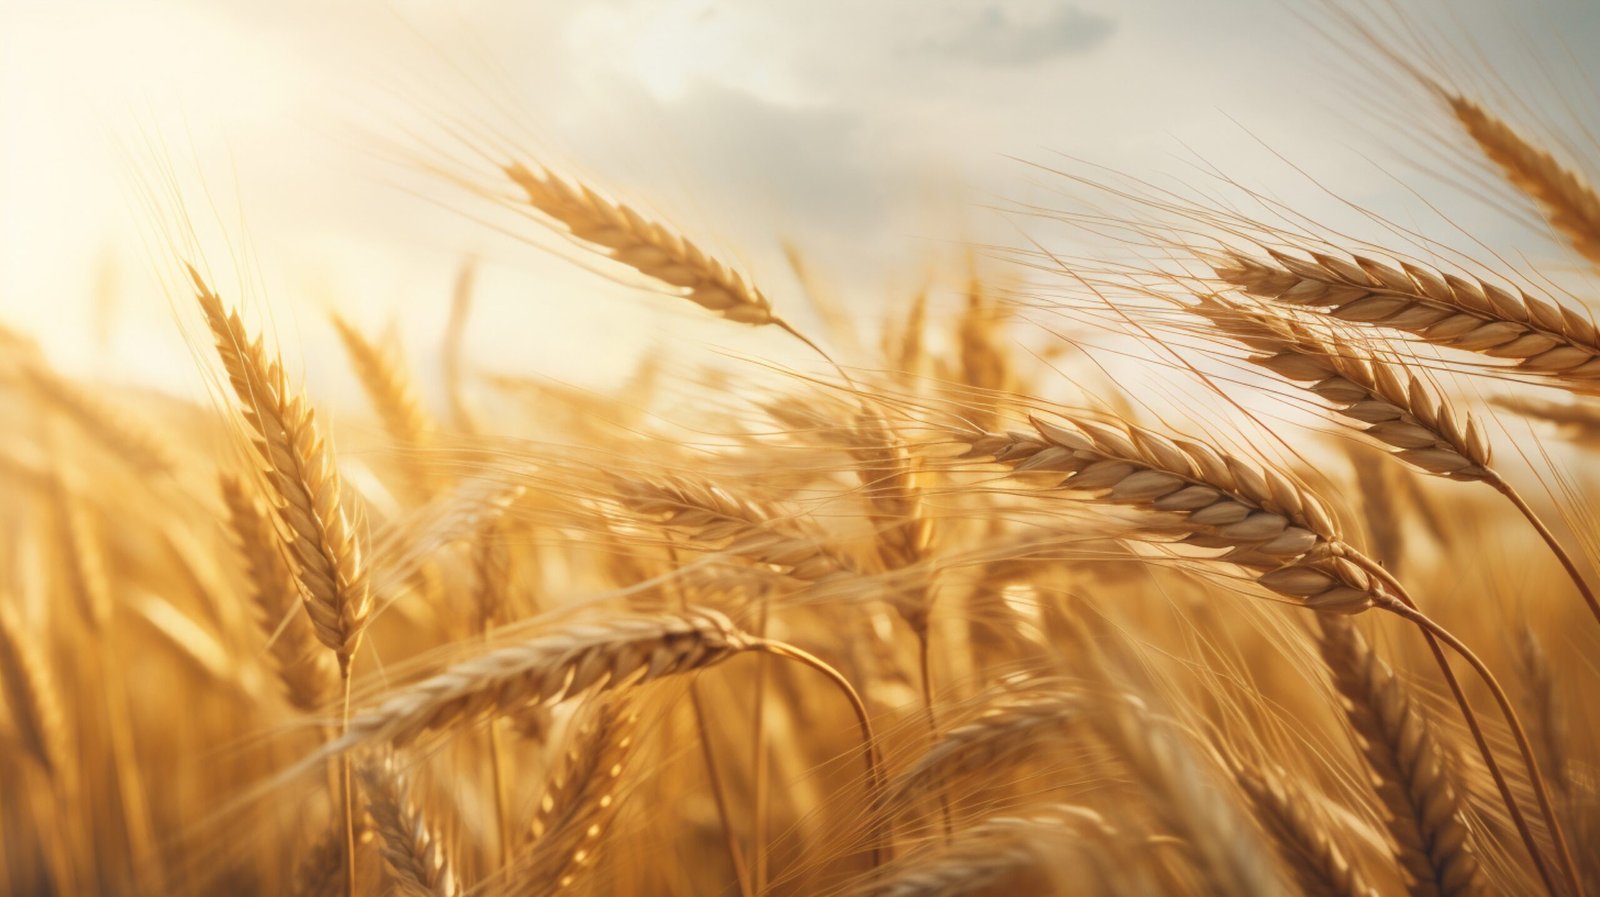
998, 37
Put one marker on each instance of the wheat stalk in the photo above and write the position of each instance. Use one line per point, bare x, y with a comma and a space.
392, 394
299, 661
1304, 841
1398, 408
1576, 420
1009, 729
35, 711
1410, 771
760, 531
1394, 405
545, 669
1264, 519
416, 855
319, 872
1543, 338
580, 796
1185, 797
108, 422
1567, 200
300, 467
999, 849
645, 246
82, 561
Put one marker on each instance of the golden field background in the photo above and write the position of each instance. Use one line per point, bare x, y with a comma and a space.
697, 448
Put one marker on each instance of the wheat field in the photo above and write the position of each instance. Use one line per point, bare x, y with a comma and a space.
1247, 557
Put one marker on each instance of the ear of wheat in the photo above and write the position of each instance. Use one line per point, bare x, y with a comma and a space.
414, 852
1565, 198
581, 796
1264, 519
29, 692
583, 659
323, 537
744, 527
643, 245
1409, 771
1394, 405
1304, 842
301, 664
1557, 343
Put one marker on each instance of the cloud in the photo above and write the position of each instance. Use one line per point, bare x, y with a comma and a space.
997, 38
808, 162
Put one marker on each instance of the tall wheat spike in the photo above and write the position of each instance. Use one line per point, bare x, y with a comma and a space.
395, 398
323, 537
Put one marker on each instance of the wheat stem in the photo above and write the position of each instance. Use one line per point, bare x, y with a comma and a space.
1536, 778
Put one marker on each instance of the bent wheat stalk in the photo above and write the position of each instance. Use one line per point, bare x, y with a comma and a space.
1397, 407
1536, 778
585, 659
1267, 522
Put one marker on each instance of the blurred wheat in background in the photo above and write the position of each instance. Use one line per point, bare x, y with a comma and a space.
1183, 539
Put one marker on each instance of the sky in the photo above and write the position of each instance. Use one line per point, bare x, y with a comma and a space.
302, 151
